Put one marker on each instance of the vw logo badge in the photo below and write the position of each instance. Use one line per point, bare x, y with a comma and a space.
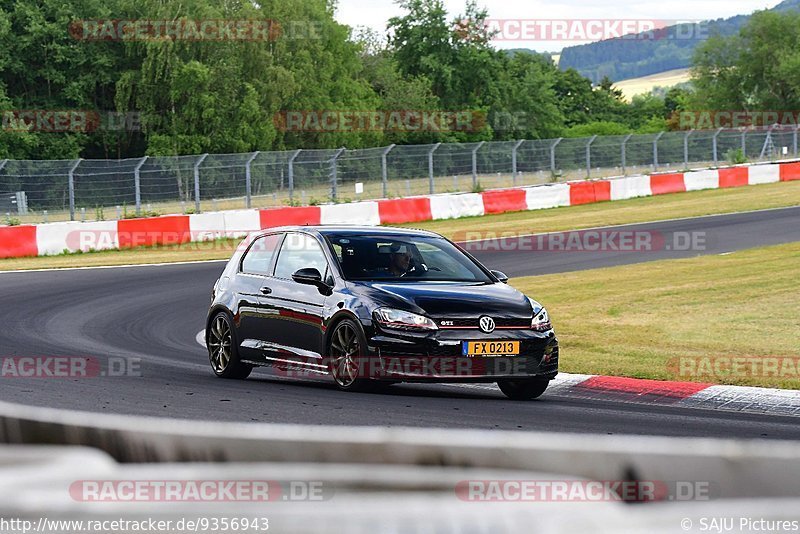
487, 324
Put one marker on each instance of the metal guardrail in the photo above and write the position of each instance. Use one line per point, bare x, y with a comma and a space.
381, 479
266, 179
741, 469
35, 485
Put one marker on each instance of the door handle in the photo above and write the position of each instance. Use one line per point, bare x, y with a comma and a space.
266, 290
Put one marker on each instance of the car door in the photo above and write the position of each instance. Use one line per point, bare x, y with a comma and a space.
292, 311
252, 281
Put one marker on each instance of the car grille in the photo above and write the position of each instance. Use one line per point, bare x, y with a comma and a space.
522, 324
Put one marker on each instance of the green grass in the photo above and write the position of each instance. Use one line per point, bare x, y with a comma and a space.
690, 204
637, 320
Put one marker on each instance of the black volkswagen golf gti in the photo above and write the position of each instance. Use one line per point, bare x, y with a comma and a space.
374, 306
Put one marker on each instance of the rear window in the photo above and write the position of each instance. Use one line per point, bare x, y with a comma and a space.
258, 259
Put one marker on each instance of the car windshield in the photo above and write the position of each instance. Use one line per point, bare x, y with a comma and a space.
403, 258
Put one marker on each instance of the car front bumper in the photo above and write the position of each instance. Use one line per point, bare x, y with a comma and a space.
438, 356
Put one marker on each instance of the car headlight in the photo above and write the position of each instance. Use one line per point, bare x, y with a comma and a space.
541, 319
404, 320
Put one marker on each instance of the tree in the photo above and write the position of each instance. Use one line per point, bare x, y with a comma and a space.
758, 69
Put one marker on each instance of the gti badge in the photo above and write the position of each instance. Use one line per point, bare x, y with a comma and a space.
487, 324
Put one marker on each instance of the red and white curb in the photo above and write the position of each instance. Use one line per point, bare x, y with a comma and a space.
679, 394
55, 238
676, 394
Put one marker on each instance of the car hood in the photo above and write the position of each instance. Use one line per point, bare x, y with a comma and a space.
449, 299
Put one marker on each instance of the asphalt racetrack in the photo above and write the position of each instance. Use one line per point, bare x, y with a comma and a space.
152, 314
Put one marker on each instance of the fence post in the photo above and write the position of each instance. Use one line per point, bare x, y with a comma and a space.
625, 154
137, 185
291, 174
197, 164
655, 151
514, 161
3, 164
686, 149
744, 142
71, 185
431, 186
589, 156
248, 181
715, 146
385, 170
794, 139
475, 164
553, 155
335, 175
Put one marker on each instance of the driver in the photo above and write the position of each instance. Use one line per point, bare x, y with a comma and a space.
400, 259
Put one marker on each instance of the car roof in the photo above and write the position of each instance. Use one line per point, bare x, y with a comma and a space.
356, 230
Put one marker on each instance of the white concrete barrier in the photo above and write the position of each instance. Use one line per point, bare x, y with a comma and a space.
359, 213
764, 174
207, 226
456, 205
239, 223
699, 180
630, 187
547, 196
56, 238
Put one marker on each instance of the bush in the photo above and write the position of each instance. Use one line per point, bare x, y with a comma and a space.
736, 156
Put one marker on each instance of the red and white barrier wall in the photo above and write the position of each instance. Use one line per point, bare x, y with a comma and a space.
55, 238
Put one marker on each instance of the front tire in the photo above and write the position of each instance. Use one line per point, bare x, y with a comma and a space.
523, 389
347, 349
223, 351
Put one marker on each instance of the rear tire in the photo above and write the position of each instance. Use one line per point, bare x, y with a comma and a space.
347, 352
223, 350
523, 389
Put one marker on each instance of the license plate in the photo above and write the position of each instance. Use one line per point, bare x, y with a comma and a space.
490, 348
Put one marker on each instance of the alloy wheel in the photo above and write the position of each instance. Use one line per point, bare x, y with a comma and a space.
220, 341
345, 351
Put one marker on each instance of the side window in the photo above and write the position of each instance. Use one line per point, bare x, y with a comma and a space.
300, 251
259, 258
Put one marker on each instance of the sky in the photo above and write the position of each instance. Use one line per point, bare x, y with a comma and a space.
375, 14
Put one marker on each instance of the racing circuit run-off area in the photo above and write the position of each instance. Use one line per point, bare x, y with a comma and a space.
397, 267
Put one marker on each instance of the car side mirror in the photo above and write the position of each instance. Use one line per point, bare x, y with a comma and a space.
501, 276
308, 276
